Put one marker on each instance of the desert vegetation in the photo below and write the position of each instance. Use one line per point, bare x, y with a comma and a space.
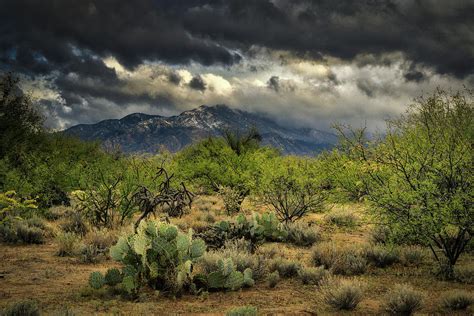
229, 226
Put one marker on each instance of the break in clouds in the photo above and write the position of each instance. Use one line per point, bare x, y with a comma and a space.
302, 62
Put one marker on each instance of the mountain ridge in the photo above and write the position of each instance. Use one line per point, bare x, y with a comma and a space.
145, 133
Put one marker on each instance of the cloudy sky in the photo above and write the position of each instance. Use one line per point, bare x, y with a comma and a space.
303, 62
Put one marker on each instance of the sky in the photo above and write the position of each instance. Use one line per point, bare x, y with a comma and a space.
304, 63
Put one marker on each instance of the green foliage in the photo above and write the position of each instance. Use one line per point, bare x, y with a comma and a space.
243, 311
342, 294
96, 280
22, 308
290, 190
419, 176
11, 206
457, 300
226, 277
403, 300
159, 255
67, 244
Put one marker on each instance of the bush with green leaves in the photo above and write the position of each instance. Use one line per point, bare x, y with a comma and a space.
159, 255
68, 244
465, 274
343, 260
243, 311
342, 294
403, 300
22, 308
12, 206
419, 176
27, 231
412, 255
226, 277
457, 300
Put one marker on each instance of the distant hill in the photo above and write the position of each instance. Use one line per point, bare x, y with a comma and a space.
142, 133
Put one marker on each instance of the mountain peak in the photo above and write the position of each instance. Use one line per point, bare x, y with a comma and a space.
143, 133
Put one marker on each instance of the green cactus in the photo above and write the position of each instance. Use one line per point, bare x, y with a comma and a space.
228, 278
157, 254
96, 280
113, 277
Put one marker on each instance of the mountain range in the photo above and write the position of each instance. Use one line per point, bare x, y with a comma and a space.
143, 133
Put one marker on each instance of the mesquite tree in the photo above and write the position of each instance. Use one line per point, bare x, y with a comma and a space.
419, 175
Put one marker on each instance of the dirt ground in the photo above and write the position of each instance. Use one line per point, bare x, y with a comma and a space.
59, 284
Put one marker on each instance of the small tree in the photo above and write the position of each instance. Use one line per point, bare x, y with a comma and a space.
419, 176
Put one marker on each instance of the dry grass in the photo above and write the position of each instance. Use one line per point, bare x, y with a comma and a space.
57, 282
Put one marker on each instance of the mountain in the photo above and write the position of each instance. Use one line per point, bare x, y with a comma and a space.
142, 133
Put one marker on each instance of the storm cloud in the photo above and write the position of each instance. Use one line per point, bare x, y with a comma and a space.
328, 60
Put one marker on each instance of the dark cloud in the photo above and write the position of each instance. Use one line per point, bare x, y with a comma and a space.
174, 77
197, 83
274, 83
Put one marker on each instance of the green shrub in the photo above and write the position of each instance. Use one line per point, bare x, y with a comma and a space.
380, 234
233, 198
96, 245
339, 259
273, 279
22, 308
382, 256
113, 277
22, 231
159, 255
465, 274
413, 255
457, 300
67, 244
403, 299
243, 311
342, 294
302, 234
29, 235
312, 275
286, 268
76, 224
237, 250
343, 219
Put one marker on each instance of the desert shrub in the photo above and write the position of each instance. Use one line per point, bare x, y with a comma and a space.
238, 251
465, 274
343, 219
457, 300
159, 255
342, 294
75, 224
22, 308
293, 198
312, 275
19, 231
96, 280
403, 299
412, 255
382, 256
380, 234
96, 245
339, 259
67, 244
243, 311
273, 279
13, 206
286, 268
302, 234
233, 198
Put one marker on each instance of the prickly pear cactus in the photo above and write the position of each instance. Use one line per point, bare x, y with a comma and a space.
157, 254
96, 280
228, 278
113, 277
